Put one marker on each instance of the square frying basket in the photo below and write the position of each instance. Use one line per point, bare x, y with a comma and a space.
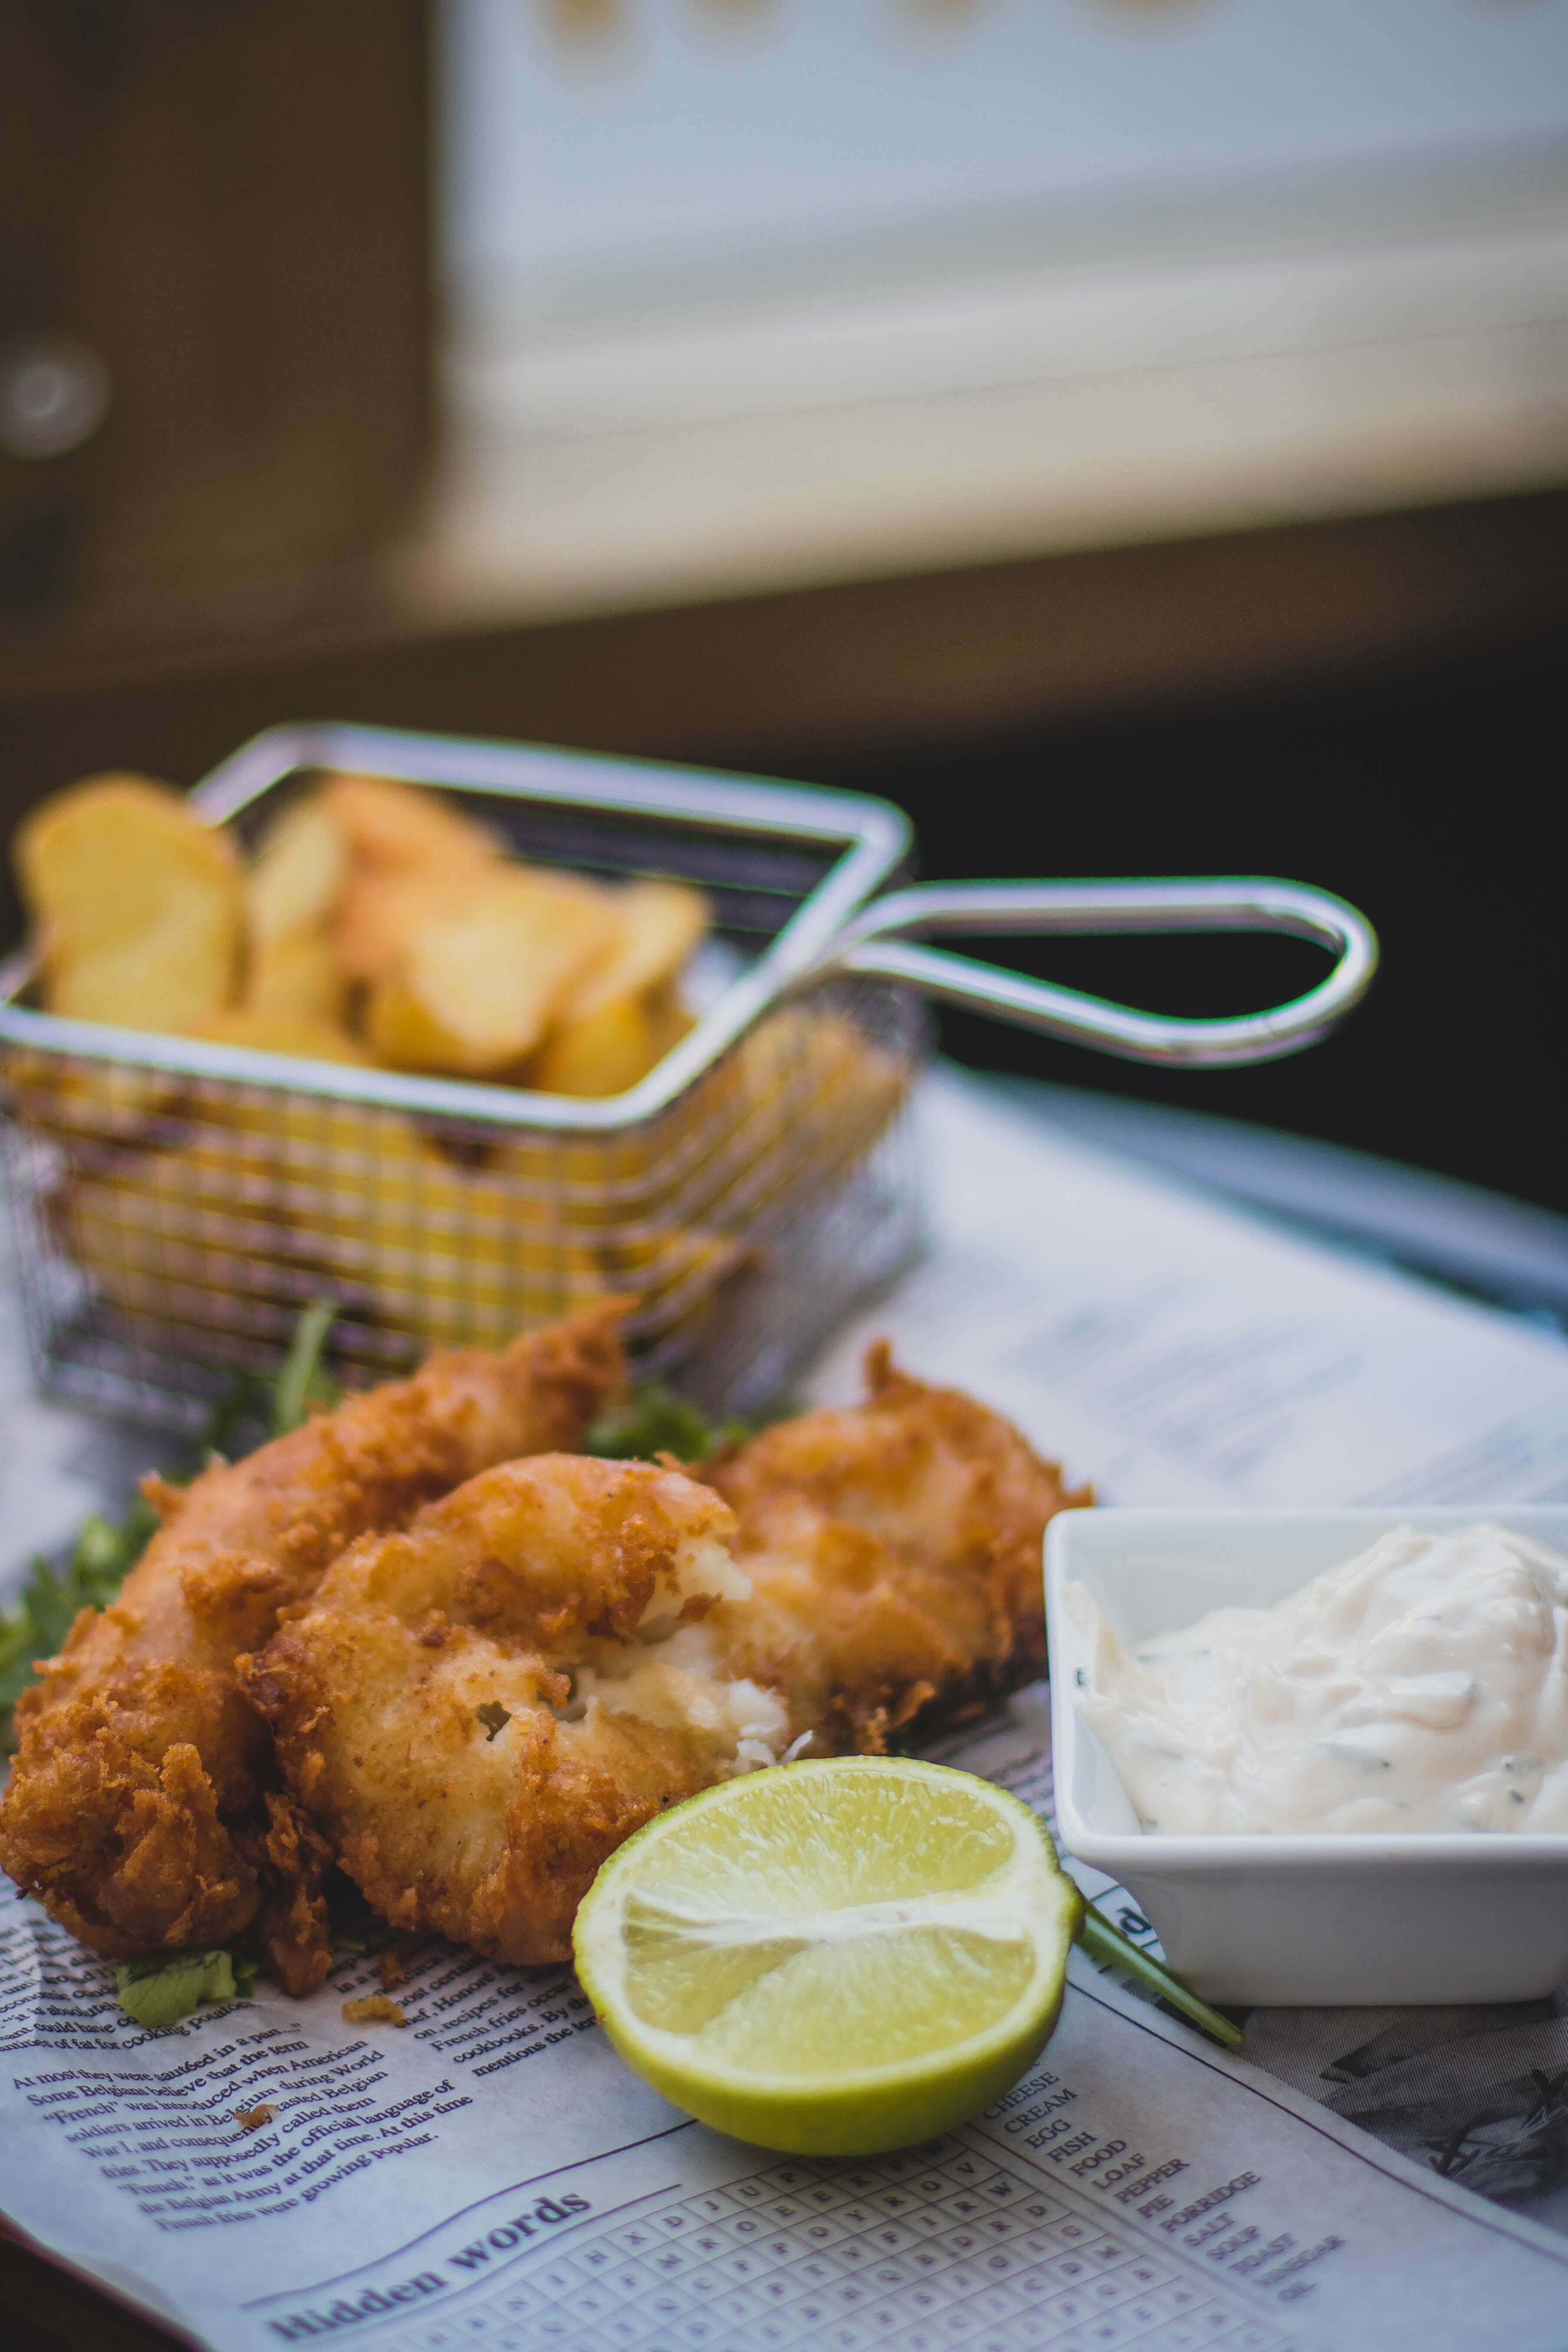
177, 1202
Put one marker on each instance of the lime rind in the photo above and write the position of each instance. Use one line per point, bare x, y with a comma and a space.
1025, 1904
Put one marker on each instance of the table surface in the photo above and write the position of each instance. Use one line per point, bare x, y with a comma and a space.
60, 1464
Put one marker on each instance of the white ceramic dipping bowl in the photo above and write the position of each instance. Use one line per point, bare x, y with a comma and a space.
1298, 1920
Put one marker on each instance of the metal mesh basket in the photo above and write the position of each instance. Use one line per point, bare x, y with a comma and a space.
177, 1202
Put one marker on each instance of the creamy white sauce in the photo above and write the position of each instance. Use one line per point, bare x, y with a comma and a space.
1421, 1686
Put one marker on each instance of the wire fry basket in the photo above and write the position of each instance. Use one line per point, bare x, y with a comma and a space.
176, 1201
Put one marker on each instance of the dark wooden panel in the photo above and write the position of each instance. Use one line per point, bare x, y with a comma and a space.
871, 671
228, 201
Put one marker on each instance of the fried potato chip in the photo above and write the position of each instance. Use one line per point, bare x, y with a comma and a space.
291, 892
603, 1053
476, 991
660, 924
71, 1102
401, 1230
392, 829
626, 1014
269, 1029
184, 1237
453, 1256
298, 976
414, 857
138, 903
299, 869
381, 914
670, 1018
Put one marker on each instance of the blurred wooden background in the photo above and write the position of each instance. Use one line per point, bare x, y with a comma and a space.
1295, 608
221, 207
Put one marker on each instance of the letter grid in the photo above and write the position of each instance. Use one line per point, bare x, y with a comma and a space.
940, 2248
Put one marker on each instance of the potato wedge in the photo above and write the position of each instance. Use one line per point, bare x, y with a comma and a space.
296, 977
660, 924
476, 991
380, 915
603, 1053
452, 1255
269, 1029
670, 1018
291, 892
392, 829
680, 1268
271, 1199
184, 1238
625, 1015
414, 857
403, 1232
299, 869
140, 905
71, 1101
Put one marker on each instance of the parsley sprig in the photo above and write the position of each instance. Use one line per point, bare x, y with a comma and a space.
105, 1550
656, 1420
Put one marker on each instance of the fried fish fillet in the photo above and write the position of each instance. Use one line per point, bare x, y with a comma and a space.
893, 1550
143, 1808
422, 1704
472, 1713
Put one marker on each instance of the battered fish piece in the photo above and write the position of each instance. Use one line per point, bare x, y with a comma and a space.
893, 1550
143, 1806
475, 1713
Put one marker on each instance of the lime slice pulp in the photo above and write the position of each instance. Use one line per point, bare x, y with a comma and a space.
834, 1957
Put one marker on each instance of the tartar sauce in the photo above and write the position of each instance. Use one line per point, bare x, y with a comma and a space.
1421, 1686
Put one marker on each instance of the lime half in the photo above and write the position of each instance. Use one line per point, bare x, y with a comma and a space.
834, 1957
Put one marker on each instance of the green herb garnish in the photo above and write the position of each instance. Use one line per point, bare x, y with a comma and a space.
46, 1606
1113, 1949
656, 1420
159, 1992
302, 1383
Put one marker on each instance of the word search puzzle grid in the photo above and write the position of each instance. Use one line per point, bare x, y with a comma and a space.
940, 2247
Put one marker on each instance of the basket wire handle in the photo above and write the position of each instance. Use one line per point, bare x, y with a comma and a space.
873, 943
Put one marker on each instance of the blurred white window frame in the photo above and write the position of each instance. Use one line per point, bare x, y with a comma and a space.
812, 297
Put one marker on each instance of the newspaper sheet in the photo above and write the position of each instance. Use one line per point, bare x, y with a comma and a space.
494, 2173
